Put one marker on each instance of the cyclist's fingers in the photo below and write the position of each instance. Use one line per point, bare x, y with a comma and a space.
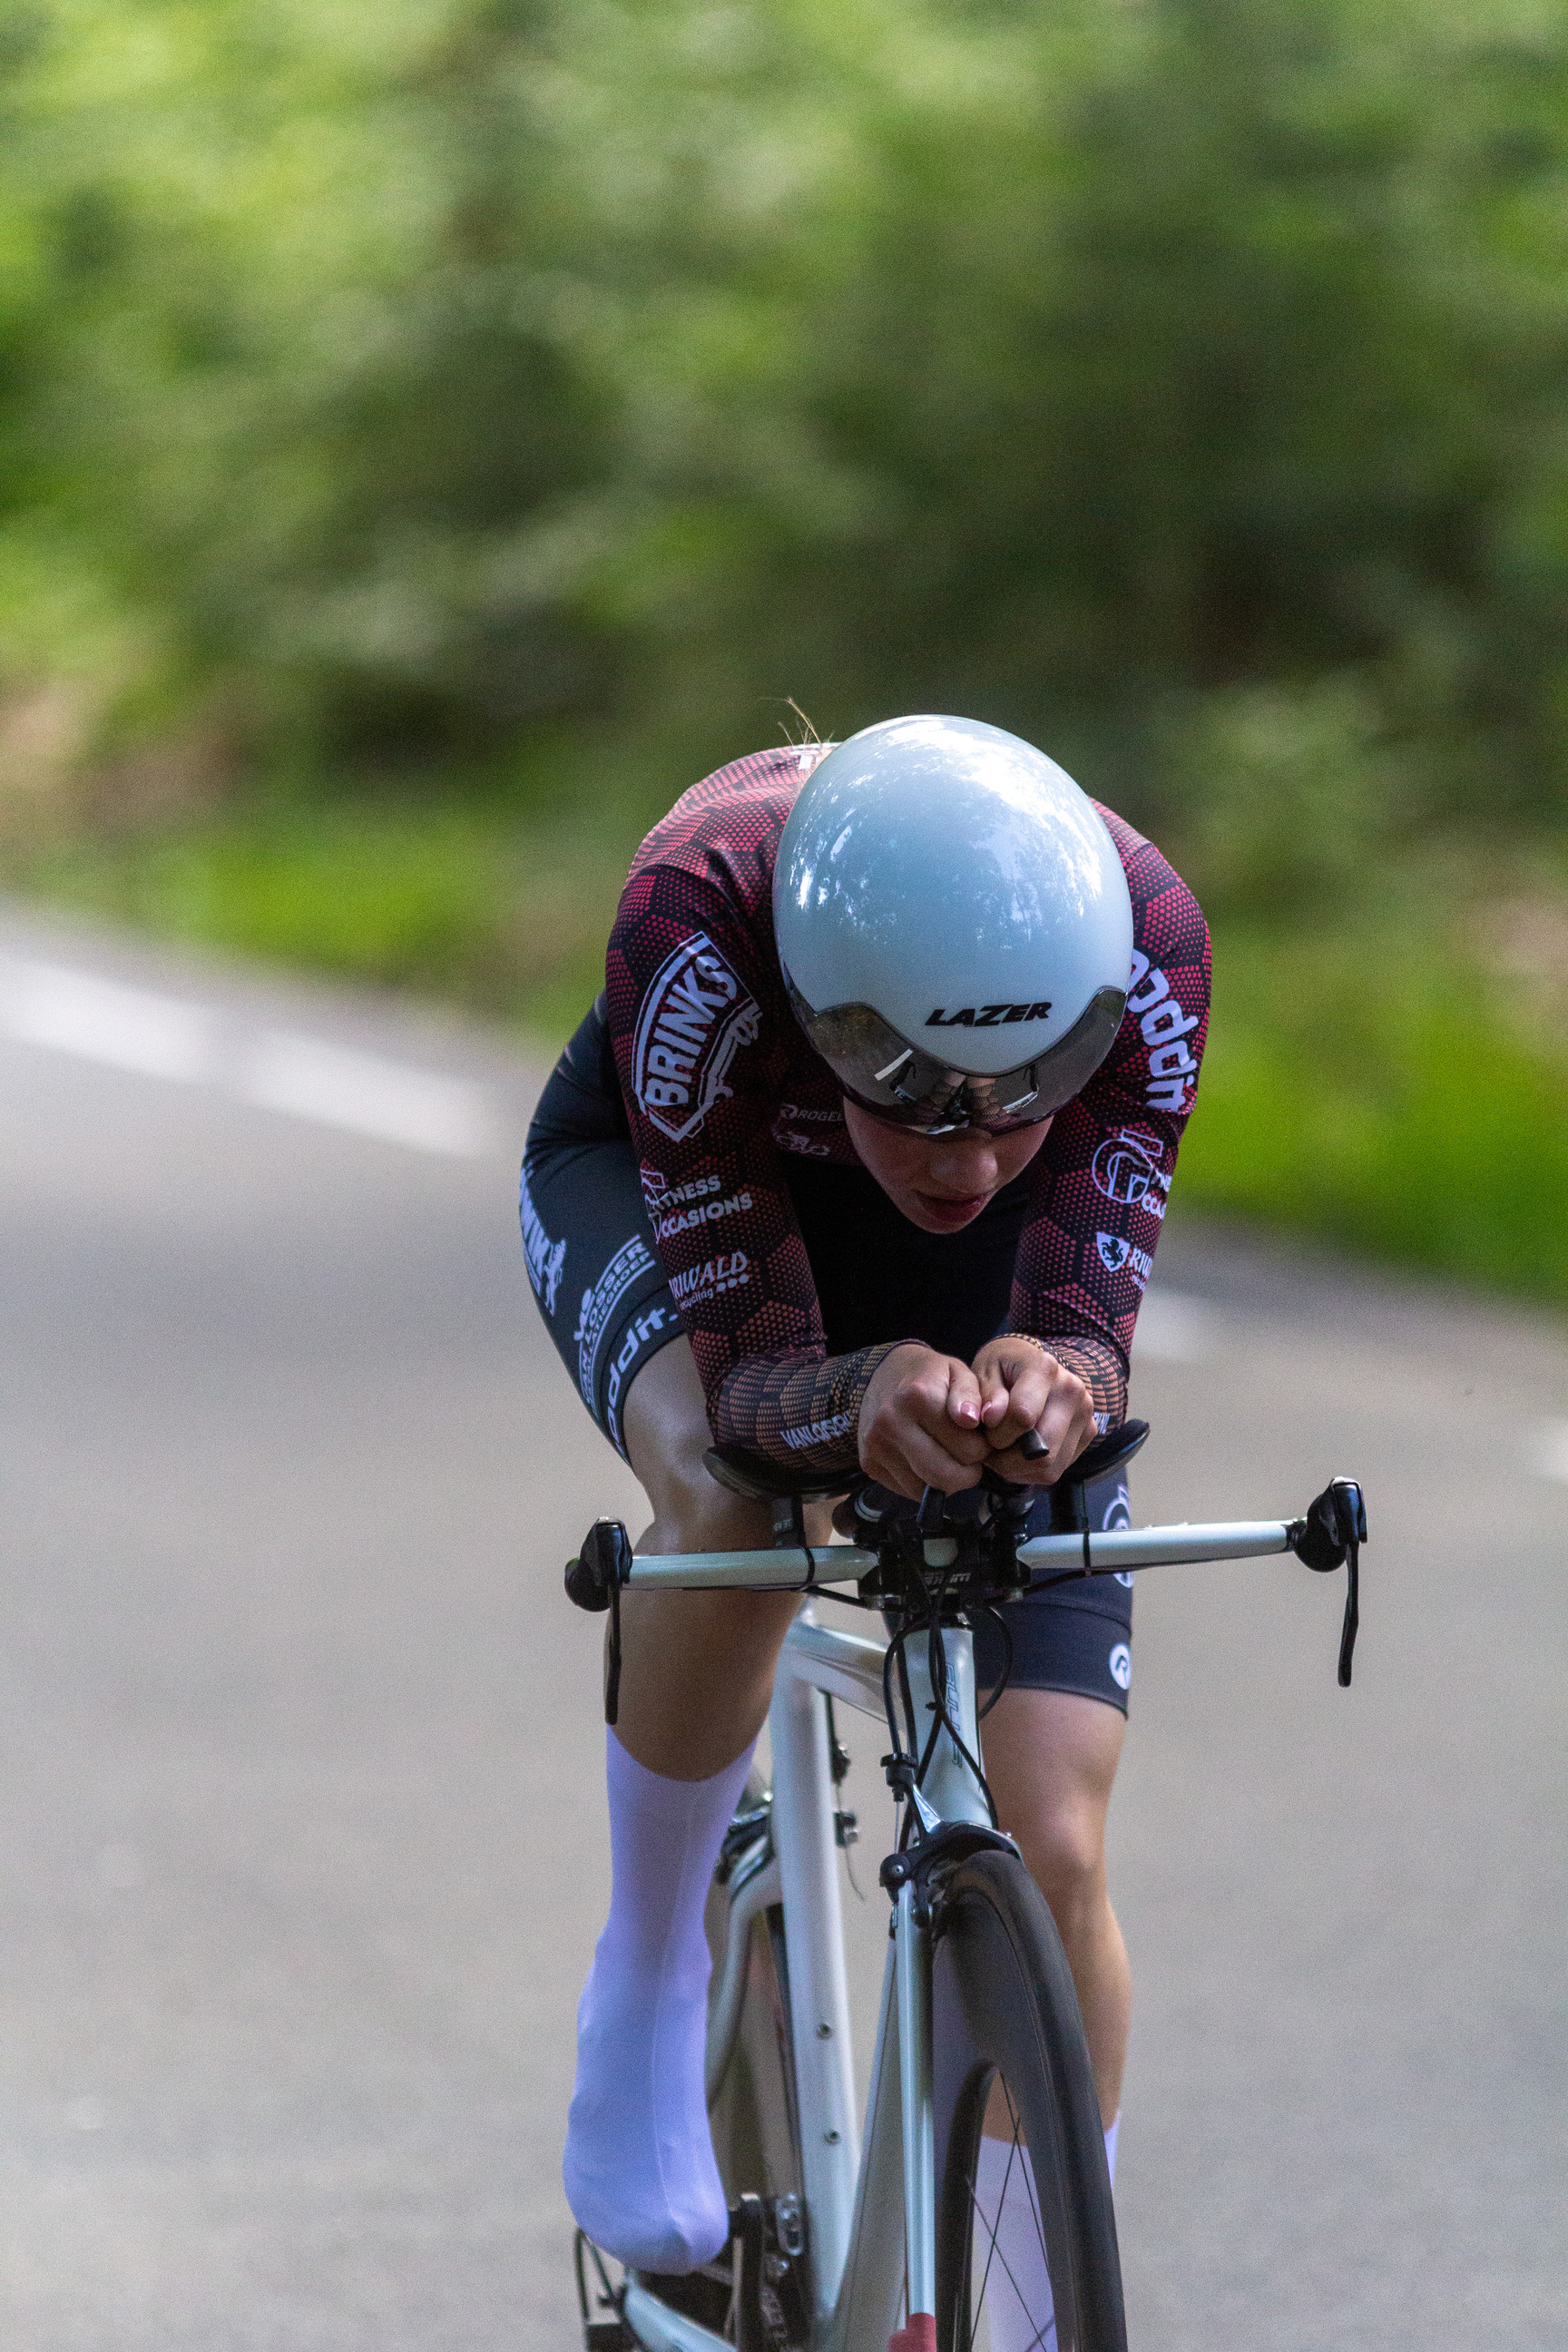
964, 1397
1029, 1394
927, 1396
908, 1459
908, 1439
1065, 1428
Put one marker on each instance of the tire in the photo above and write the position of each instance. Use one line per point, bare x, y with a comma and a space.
1004, 2007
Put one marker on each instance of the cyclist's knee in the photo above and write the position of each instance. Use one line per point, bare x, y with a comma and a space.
1052, 1757
1063, 1845
693, 1513
665, 1425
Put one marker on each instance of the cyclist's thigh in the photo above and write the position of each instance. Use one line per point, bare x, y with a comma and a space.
1076, 1636
589, 1246
1051, 1759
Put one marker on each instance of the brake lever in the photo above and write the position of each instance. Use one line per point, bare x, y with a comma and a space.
594, 1581
1331, 1536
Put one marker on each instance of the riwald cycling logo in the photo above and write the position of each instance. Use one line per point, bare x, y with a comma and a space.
1115, 1252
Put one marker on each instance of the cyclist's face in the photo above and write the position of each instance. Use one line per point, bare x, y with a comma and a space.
940, 1182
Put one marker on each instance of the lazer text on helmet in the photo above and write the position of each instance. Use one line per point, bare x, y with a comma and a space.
986, 1016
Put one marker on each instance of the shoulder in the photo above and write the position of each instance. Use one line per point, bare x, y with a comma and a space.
1161, 1042
725, 831
1167, 920
697, 1008
701, 881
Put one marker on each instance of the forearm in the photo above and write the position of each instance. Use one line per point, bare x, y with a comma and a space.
803, 1410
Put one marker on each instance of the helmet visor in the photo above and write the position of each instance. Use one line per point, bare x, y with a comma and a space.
913, 1087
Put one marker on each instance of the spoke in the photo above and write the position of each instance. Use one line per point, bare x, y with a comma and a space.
994, 2251
990, 2227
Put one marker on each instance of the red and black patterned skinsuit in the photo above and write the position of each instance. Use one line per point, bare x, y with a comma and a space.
690, 1169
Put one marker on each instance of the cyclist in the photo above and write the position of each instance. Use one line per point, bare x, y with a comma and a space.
859, 1159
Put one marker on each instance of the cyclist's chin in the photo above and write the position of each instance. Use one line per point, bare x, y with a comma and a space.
934, 1212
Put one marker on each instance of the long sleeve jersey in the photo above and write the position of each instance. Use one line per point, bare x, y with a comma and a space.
719, 1083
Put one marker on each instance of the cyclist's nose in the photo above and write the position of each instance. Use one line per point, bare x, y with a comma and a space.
964, 1164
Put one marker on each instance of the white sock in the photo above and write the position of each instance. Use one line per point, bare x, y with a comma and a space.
1018, 2298
639, 2170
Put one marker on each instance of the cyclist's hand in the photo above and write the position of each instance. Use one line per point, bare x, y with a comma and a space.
920, 1423
1022, 1388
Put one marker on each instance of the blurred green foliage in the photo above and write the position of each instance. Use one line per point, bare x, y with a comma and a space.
432, 435
414, 377
1372, 1089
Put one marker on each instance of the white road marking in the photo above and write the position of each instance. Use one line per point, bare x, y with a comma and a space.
1174, 1328
1546, 1450
311, 1079
161, 1037
104, 1021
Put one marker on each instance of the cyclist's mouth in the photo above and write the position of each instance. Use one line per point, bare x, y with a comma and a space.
943, 1211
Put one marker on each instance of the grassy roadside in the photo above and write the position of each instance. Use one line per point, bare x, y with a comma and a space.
1374, 1086
459, 901
1386, 1093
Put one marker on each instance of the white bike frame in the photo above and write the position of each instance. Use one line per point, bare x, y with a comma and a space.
871, 2208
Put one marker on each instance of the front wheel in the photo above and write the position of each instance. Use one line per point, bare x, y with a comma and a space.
1004, 2012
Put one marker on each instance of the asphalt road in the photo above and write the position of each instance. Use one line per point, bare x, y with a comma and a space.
303, 1840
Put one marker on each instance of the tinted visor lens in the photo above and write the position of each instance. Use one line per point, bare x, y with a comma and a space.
912, 1087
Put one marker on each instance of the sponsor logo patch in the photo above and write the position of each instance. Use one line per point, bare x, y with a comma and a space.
1173, 1072
695, 1018
818, 1432
632, 1260
1115, 1252
639, 1333
661, 1194
545, 1257
708, 1212
1120, 1665
987, 1016
1128, 1168
700, 1284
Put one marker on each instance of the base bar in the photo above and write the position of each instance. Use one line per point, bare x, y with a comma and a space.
789, 1569
1125, 1548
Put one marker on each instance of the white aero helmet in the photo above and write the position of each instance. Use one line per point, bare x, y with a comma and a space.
954, 924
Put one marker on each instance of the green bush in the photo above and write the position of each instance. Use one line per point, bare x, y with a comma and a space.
425, 376
449, 901
1375, 1085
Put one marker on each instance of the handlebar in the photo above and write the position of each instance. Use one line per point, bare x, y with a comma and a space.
810, 1568
989, 1560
